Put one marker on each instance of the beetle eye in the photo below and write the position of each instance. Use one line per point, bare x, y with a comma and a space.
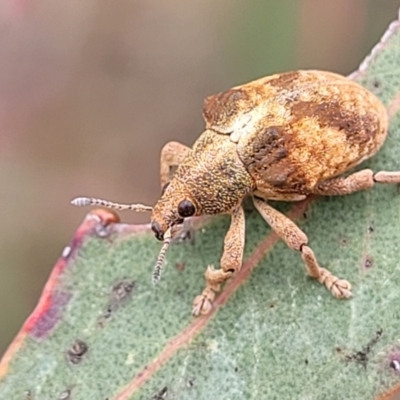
186, 208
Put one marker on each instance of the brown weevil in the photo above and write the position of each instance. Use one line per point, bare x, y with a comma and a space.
283, 137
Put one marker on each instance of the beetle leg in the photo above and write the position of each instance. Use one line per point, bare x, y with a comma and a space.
231, 262
172, 154
360, 180
387, 177
296, 239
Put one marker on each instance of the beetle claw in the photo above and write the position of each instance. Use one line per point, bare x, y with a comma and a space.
340, 288
203, 303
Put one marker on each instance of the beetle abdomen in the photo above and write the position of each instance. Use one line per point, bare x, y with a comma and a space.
309, 126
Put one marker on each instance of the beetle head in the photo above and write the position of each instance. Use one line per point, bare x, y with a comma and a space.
201, 187
173, 207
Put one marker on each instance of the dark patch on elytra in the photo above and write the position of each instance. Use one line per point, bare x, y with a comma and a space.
267, 148
277, 176
359, 128
269, 161
285, 80
77, 351
219, 108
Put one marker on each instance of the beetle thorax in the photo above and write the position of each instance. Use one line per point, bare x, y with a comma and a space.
211, 176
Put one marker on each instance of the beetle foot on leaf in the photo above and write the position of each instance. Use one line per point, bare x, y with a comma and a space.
202, 304
340, 288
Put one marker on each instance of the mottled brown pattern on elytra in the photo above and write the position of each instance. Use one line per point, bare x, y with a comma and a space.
284, 80
359, 128
327, 124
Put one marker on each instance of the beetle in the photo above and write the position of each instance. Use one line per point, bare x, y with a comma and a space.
282, 137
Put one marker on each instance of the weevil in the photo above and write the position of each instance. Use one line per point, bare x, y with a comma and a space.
282, 137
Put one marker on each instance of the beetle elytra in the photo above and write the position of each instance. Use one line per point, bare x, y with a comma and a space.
283, 137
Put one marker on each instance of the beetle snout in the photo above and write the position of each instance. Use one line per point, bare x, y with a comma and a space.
156, 228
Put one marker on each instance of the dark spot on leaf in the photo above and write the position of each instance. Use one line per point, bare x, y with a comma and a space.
180, 266
236, 369
368, 262
361, 357
161, 395
108, 312
306, 361
370, 228
77, 351
305, 215
339, 349
190, 383
376, 84
122, 290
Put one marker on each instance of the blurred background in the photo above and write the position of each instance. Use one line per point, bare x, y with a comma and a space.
91, 90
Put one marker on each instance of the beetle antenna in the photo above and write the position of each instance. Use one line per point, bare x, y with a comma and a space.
90, 201
161, 257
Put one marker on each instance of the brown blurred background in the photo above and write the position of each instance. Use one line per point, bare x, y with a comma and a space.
91, 90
